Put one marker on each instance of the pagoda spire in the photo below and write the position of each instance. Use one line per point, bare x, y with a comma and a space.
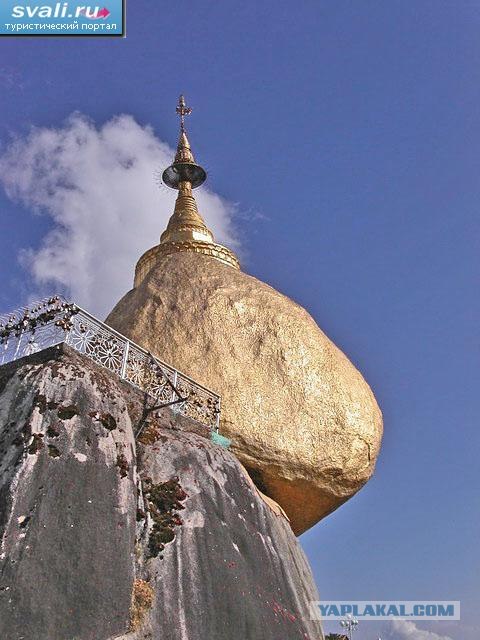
186, 229
184, 151
184, 167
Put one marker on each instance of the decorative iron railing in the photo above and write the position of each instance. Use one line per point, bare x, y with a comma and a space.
54, 321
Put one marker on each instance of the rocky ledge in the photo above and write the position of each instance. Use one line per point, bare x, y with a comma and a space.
107, 535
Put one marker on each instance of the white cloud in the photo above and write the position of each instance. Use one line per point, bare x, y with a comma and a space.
406, 630
97, 185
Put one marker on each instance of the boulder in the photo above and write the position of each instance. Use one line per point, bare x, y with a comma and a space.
301, 417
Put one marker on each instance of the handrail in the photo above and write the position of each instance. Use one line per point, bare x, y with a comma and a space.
55, 321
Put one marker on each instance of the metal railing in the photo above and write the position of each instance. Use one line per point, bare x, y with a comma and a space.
54, 321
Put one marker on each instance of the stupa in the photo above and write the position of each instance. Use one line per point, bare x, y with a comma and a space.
301, 418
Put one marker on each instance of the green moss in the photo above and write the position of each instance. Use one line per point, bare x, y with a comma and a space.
36, 444
53, 452
53, 430
67, 413
149, 435
122, 464
164, 500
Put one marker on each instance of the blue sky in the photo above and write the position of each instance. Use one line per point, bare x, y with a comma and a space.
346, 135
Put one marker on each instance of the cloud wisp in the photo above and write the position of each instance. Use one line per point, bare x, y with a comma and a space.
407, 630
97, 186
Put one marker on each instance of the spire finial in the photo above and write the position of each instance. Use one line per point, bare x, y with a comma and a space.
184, 167
186, 229
182, 111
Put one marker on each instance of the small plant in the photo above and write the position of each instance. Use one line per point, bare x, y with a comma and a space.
142, 600
163, 501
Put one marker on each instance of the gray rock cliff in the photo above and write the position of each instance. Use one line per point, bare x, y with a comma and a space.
104, 535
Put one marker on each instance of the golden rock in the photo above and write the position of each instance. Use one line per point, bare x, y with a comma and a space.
301, 418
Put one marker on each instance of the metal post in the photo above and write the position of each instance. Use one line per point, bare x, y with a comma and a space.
175, 378
217, 419
66, 338
350, 624
125, 360
19, 342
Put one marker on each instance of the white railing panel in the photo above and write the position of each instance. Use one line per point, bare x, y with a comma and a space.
55, 321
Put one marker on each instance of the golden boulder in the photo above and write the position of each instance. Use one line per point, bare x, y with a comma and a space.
301, 418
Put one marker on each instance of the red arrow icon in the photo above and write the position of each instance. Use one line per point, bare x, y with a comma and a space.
103, 13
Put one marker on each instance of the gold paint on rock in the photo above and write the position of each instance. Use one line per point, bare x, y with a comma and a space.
302, 419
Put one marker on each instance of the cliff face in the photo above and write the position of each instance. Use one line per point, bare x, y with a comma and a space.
104, 537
